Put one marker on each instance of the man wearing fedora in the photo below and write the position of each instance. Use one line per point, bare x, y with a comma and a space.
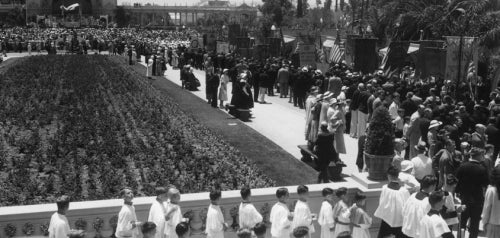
422, 164
432, 137
472, 181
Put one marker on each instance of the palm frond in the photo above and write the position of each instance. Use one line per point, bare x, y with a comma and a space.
491, 38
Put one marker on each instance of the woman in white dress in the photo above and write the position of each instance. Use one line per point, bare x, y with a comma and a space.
337, 125
491, 208
224, 80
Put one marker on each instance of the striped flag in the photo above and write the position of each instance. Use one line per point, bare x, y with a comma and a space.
336, 53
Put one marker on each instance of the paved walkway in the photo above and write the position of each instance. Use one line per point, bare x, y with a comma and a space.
278, 120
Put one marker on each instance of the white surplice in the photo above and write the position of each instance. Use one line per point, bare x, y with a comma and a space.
325, 220
280, 225
175, 218
413, 211
124, 226
342, 215
248, 215
157, 215
433, 226
390, 208
361, 219
302, 216
215, 222
58, 226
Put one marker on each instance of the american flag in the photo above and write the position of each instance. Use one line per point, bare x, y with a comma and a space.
336, 53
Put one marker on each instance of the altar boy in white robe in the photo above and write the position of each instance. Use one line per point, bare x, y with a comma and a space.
341, 213
127, 219
432, 224
302, 215
59, 225
158, 212
325, 216
248, 214
360, 220
174, 214
417, 206
280, 216
390, 208
215, 225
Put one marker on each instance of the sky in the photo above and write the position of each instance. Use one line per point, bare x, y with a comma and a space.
312, 3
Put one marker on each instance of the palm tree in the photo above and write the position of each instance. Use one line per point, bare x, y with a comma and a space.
408, 19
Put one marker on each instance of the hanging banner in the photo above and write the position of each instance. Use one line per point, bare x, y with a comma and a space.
460, 52
222, 47
307, 53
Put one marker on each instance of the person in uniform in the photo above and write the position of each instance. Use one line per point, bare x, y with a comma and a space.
302, 215
59, 225
360, 220
157, 212
174, 214
341, 213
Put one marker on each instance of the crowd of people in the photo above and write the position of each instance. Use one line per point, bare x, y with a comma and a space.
446, 134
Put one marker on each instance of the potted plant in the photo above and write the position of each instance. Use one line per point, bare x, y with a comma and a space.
379, 146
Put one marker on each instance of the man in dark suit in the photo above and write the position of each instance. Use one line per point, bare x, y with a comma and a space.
364, 95
493, 135
325, 151
472, 181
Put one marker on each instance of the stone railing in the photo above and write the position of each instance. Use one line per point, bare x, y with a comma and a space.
23, 221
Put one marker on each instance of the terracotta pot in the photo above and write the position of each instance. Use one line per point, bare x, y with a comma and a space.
377, 166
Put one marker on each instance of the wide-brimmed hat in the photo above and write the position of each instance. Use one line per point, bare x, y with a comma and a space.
421, 146
305, 69
343, 88
327, 95
332, 101
318, 71
435, 123
406, 165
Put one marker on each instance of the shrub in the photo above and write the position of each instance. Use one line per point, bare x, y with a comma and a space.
380, 135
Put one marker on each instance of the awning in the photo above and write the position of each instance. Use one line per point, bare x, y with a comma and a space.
328, 43
288, 39
413, 48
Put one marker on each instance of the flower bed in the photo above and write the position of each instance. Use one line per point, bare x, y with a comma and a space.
81, 125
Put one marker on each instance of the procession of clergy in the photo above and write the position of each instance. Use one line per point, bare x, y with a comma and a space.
427, 213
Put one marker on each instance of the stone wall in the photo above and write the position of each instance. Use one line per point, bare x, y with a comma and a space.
264, 199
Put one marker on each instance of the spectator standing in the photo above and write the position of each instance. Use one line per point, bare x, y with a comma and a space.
353, 107
364, 95
406, 177
224, 81
325, 151
491, 209
472, 180
448, 161
413, 133
335, 85
422, 165
283, 81
432, 137
493, 135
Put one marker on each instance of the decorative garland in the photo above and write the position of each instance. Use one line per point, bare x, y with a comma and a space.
81, 224
189, 215
10, 230
234, 214
264, 211
28, 229
98, 224
203, 216
44, 228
